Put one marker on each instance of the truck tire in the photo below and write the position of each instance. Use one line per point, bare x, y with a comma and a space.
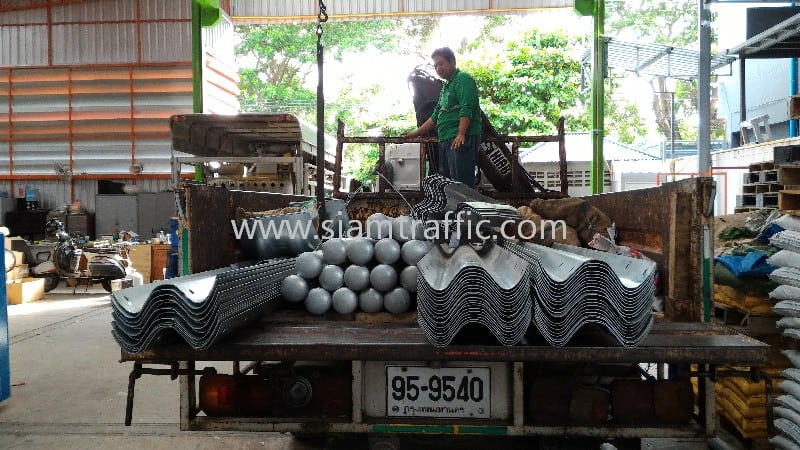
383, 442
106, 283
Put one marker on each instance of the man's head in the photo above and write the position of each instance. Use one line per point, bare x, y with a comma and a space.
444, 61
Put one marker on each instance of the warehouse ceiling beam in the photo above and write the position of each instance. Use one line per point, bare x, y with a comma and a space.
17, 5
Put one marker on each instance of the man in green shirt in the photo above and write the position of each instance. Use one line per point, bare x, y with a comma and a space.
457, 118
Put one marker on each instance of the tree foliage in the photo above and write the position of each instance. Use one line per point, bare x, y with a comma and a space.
281, 57
528, 86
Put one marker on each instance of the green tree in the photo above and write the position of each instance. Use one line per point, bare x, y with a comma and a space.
528, 86
534, 80
279, 58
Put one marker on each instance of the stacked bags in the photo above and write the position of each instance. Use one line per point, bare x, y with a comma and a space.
786, 408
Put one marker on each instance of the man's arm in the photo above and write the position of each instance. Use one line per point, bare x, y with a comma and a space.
424, 128
463, 126
467, 93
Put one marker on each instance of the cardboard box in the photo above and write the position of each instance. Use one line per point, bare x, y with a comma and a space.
140, 256
19, 257
121, 283
17, 272
25, 290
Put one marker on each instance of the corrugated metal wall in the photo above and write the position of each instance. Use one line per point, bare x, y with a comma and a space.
220, 70
260, 11
56, 193
88, 89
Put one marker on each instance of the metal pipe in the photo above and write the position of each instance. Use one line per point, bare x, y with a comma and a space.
598, 98
704, 90
197, 69
672, 124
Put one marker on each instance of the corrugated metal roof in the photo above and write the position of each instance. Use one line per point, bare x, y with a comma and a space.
779, 41
579, 148
656, 59
262, 11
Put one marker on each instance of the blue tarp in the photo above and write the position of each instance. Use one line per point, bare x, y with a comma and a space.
751, 265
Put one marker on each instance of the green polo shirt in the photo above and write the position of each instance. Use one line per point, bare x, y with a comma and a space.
458, 98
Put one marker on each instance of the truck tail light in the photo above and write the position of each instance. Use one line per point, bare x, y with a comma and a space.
229, 395
217, 395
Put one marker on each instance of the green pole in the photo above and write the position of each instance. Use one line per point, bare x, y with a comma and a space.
197, 58
598, 97
197, 69
197, 107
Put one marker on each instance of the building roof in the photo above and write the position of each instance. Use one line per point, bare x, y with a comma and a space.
579, 148
655, 59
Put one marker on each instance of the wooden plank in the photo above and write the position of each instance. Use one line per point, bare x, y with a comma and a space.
212, 243
679, 248
789, 174
326, 340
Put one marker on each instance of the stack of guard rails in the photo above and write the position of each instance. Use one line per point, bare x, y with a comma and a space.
201, 308
442, 195
574, 287
474, 222
489, 287
435, 199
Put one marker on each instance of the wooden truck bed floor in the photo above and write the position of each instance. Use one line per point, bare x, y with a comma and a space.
290, 335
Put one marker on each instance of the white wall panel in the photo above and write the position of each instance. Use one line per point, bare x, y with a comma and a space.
306, 9
101, 156
447, 5
23, 46
250, 8
517, 4
25, 16
112, 43
50, 103
96, 11
220, 40
166, 42
353, 7
160, 9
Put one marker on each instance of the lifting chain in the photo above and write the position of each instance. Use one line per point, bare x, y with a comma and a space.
322, 16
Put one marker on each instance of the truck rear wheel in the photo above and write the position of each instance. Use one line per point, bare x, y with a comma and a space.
106, 283
383, 442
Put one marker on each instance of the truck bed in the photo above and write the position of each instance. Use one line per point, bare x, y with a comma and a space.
287, 335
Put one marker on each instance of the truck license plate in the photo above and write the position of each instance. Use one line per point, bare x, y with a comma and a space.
447, 392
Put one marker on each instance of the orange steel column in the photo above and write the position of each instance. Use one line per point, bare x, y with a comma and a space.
10, 133
71, 135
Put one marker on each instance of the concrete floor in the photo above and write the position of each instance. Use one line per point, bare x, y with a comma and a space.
69, 389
